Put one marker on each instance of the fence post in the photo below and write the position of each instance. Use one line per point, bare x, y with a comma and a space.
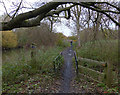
109, 74
33, 54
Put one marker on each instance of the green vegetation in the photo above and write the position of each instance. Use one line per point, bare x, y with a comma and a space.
19, 66
61, 40
57, 62
20, 70
106, 89
103, 50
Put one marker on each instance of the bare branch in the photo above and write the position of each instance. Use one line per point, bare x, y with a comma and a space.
98, 10
31, 14
17, 9
57, 12
50, 9
6, 9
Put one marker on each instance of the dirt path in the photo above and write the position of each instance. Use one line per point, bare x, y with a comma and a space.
67, 71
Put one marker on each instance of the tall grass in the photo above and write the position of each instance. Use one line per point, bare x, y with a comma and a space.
101, 50
18, 65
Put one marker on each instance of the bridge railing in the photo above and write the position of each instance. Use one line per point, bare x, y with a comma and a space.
57, 62
76, 62
108, 76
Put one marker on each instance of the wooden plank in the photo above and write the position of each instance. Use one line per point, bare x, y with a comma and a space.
90, 78
92, 61
92, 73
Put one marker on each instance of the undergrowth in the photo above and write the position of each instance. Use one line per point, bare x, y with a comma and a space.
18, 66
102, 50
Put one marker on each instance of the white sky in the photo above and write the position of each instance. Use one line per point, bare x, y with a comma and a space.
63, 29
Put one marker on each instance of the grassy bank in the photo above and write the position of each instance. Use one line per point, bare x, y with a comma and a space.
17, 65
102, 50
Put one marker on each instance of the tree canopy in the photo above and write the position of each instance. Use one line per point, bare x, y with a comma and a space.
52, 9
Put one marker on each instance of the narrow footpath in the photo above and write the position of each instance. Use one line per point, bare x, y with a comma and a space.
68, 77
67, 71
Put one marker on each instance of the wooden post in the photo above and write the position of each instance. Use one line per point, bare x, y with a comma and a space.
33, 55
109, 75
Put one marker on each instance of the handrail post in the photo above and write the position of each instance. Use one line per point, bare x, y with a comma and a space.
76, 62
58, 59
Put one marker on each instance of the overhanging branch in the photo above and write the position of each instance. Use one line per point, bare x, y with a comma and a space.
31, 14
98, 10
23, 20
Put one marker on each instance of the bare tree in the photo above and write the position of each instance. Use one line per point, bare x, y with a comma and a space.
76, 18
33, 18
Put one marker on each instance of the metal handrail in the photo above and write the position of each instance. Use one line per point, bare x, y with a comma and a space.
76, 62
57, 60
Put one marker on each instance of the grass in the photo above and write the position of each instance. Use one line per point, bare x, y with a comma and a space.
18, 66
100, 50
103, 50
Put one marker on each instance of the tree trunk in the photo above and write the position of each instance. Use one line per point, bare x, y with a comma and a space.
78, 33
97, 26
78, 24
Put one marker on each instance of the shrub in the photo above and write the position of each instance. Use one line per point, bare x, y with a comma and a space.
61, 40
39, 35
9, 39
20, 67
